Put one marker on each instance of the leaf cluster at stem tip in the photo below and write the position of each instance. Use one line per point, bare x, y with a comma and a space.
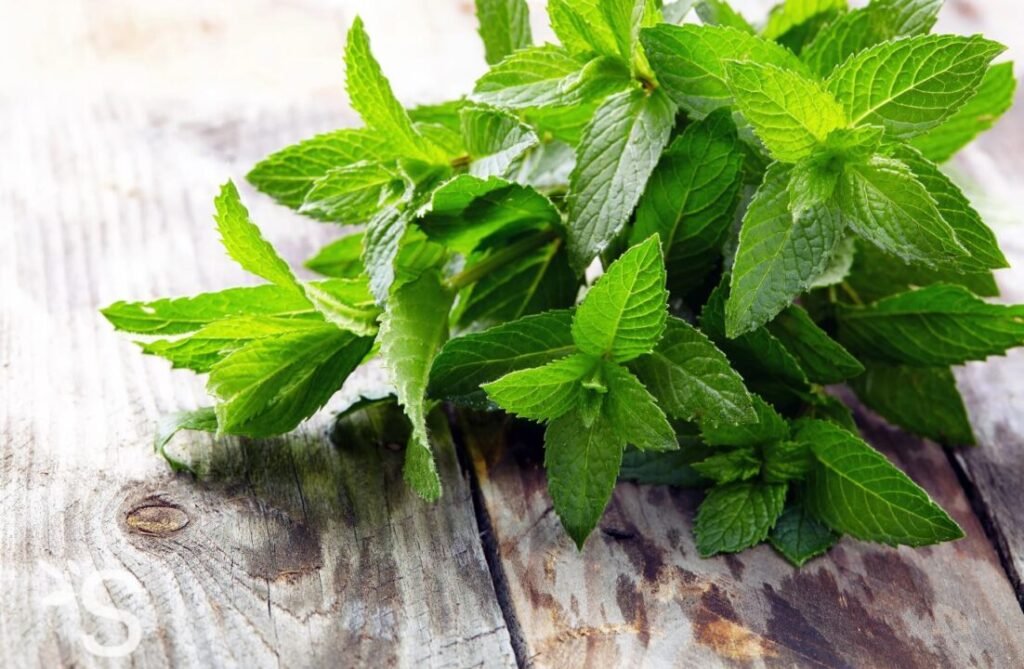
662, 239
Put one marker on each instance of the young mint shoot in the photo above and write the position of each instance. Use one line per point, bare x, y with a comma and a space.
661, 240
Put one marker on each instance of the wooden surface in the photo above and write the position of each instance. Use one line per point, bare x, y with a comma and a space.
118, 121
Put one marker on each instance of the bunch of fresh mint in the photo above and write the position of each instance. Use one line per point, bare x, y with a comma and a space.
767, 208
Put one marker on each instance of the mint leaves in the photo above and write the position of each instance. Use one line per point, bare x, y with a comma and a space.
661, 239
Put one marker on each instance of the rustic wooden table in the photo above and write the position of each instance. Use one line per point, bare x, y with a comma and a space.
118, 119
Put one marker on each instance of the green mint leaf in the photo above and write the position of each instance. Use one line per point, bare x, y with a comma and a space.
533, 283
875, 275
634, 413
351, 194
792, 14
504, 27
466, 210
957, 211
791, 114
720, 13
270, 385
542, 393
468, 362
739, 465
936, 326
346, 303
758, 353
779, 255
604, 27
887, 205
737, 516
412, 331
203, 349
674, 468
496, 141
381, 242
786, 461
912, 85
994, 97
823, 359
691, 198
341, 259
199, 420
181, 315
840, 266
693, 380
798, 536
371, 96
769, 426
924, 400
618, 152
245, 244
549, 76
623, 316
880, 21
582, 464
289, 174
854, 489
690, 62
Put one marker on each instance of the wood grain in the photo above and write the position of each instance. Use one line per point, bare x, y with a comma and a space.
118, 124
639, 594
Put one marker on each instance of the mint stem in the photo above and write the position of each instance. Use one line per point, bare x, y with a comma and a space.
501, 258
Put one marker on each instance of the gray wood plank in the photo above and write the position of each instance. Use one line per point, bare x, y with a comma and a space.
117, 125
640, 595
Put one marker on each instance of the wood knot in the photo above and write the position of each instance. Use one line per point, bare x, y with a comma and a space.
156, 518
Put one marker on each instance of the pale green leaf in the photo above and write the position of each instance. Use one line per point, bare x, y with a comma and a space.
351, 194
495, 140
270, 385
791, 14
504, 27
737, 516
289, 174
245, 244
412, 331
854, 489
880, 21
341, 259
912, 85
690, 62
623, 316
172, 316
791, 114
542, 393
371, 96
721, 13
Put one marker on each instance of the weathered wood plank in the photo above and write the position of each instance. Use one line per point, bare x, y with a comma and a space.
118, 121
639, 594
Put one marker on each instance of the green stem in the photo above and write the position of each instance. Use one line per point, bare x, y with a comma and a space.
848, 289
501, 258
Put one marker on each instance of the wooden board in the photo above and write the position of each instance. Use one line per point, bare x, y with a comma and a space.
639, 594
118, 121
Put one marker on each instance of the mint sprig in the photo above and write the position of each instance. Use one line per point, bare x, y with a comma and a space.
660, 239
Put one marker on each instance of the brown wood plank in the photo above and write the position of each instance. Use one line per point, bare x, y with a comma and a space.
118, 121
639, 594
